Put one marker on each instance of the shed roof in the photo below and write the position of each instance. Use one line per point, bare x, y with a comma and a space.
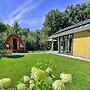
13, 34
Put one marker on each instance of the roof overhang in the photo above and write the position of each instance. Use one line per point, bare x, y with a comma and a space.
71, 31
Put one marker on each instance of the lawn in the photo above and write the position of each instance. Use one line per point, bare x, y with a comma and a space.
17, 66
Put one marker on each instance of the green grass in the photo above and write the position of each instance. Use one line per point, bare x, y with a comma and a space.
17, 66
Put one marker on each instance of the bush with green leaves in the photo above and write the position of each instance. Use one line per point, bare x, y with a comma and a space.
41, 78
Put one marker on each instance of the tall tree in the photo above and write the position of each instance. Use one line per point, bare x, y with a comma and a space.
43, 37
16, 27
53, 21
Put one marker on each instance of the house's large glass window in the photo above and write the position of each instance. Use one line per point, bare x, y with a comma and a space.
66, 44
70, 38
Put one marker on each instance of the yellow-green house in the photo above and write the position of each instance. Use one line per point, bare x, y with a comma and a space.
73, 40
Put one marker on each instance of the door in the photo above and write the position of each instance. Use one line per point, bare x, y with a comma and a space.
15, 44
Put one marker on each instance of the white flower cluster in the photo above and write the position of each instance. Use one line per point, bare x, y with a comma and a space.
33, 70
57, 85
66, 77
5, 83
26, 79
21, 86
37, 74
32, 84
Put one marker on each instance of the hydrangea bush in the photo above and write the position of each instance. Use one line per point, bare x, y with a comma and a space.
41, 78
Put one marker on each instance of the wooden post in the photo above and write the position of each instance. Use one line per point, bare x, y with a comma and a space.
68, 44
58, 44
52, 44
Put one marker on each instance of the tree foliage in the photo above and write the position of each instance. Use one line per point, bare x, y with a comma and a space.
3, 27
78, 13
52, 21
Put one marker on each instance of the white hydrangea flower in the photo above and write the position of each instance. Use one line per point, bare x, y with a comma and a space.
57, 85
26, 79
32, 85
48, 80
49, 70
66, 77
21, 86
33, 71
37, 74
5, 83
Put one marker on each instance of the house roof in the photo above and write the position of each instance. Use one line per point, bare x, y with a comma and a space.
84, 25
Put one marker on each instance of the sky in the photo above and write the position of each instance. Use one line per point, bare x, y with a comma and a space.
31, 13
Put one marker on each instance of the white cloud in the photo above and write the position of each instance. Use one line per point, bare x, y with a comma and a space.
19, 9
32, 21
22, 10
